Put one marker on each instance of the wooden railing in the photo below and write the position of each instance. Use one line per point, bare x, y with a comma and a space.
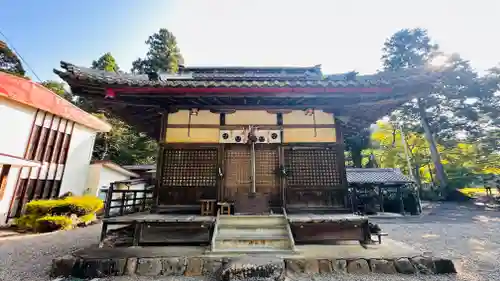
127, 197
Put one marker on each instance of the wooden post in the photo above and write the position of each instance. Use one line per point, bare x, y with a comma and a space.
159, 161
401, 203
380, 198
107, 214
137, 233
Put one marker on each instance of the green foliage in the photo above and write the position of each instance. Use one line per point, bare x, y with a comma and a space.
58, 88
407, 48
79, 205
124, 145
106, 62
51, 223
88, 218
163, 54
26, 221
52, 214
9, 62
465, 163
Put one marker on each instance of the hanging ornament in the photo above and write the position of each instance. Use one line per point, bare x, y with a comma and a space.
192, 111
311, 112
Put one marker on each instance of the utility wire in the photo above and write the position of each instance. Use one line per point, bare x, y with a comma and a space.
19, 55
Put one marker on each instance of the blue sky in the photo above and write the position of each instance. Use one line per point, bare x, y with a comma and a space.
340, 35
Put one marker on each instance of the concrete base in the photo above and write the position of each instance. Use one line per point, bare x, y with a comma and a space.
389, 257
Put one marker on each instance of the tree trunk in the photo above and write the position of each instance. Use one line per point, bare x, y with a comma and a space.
436, 158
417, 175
357, 158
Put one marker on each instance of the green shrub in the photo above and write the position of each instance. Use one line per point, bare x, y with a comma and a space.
78, 205
84, 205
26, 222
47, 215
88, 218
51, 223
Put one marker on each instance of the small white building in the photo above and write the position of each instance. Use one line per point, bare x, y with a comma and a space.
102, 174
46, 144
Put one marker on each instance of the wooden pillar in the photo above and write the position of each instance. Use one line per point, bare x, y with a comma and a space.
380, 198
401, 202
159, 160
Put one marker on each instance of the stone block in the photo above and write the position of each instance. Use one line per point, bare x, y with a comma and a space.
212, 266
253, 267
173, 266
63, 266
404, 265
382, 266
94, 268
424, 265
297, 266
325, 266
359, 266
339, 266
194, 267
130, 267
149, 266
444, 266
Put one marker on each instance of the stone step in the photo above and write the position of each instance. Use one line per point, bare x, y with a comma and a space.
252, 236
261, 221
276, 244
238, 232
251, 226
255, 250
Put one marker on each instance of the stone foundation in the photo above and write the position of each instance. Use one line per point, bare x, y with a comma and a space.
227, 268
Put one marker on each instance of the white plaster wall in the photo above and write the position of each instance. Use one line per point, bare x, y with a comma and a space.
101, 177
77, 163
108, 176
15, 123
92, 179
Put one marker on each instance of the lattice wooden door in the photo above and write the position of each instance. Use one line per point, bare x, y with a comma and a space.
188, 175
314, 178
266, 173
238, 172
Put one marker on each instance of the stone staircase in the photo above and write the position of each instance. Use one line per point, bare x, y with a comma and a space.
252, 234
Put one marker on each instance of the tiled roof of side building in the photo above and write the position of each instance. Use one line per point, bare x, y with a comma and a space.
376, 175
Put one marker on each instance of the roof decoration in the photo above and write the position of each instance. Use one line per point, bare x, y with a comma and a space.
376, 175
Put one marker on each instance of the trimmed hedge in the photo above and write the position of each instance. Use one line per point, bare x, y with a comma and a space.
52, 223
54, 214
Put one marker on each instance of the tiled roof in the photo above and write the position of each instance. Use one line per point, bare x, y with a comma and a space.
376, 175
222, 80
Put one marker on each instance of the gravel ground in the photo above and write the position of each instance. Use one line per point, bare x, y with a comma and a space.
29, 258
469, 236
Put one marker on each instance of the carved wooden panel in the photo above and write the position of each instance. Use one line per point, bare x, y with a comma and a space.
188, 175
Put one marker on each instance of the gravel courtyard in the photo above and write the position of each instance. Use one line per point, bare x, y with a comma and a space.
470, 237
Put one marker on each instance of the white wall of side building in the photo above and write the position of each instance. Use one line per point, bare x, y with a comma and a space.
16, 121
78, 161
100, 178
